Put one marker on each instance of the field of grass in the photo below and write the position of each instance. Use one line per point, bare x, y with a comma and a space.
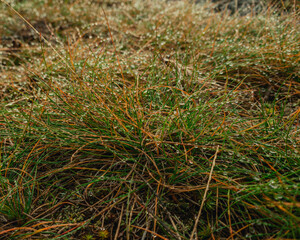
148, 120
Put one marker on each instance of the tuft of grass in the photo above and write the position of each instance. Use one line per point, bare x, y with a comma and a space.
132, 119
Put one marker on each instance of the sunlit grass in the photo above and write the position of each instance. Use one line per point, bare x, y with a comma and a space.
112, 125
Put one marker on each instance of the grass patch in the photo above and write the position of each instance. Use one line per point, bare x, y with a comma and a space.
135, 120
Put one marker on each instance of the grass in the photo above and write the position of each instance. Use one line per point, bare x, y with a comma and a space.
138, 120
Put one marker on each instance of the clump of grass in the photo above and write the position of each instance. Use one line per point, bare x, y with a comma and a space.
144, 120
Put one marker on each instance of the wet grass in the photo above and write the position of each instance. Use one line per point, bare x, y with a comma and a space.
138, 120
